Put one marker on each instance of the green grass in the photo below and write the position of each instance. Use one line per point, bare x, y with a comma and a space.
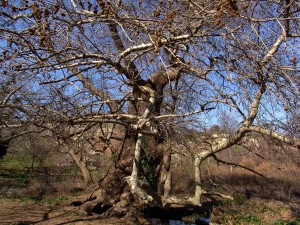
17, 171
285, 222
73, 170
16, 162
248, 219
245, 211
236, 217
14, 171
53, 200
240, 199
96, 174
10, 177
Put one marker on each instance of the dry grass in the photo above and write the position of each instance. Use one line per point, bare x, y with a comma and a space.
274, 199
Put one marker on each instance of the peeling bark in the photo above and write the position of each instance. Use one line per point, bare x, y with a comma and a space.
198, 183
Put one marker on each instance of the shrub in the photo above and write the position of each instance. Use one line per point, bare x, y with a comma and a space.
248, 219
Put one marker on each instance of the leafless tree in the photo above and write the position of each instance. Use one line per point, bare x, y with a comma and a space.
149, 66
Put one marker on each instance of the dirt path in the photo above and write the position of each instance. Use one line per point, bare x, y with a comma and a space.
17, 212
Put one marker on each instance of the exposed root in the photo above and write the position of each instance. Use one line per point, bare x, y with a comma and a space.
95, 203
218, 194
143, 191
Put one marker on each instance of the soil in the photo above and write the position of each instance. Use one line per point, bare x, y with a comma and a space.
18, 212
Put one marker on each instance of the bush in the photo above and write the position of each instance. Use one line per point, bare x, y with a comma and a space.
248, 219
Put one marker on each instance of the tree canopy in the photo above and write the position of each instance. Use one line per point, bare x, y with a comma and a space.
151, 67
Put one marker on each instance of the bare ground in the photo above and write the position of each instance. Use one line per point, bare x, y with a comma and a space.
18, 212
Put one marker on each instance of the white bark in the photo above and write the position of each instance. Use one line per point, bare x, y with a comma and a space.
137, 158
198, 188
138, 188
167, 186
273, 134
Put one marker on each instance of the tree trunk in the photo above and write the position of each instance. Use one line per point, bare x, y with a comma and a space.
133, 179
88, 180
164, 181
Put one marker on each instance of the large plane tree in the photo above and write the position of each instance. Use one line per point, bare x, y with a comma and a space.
142, 69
